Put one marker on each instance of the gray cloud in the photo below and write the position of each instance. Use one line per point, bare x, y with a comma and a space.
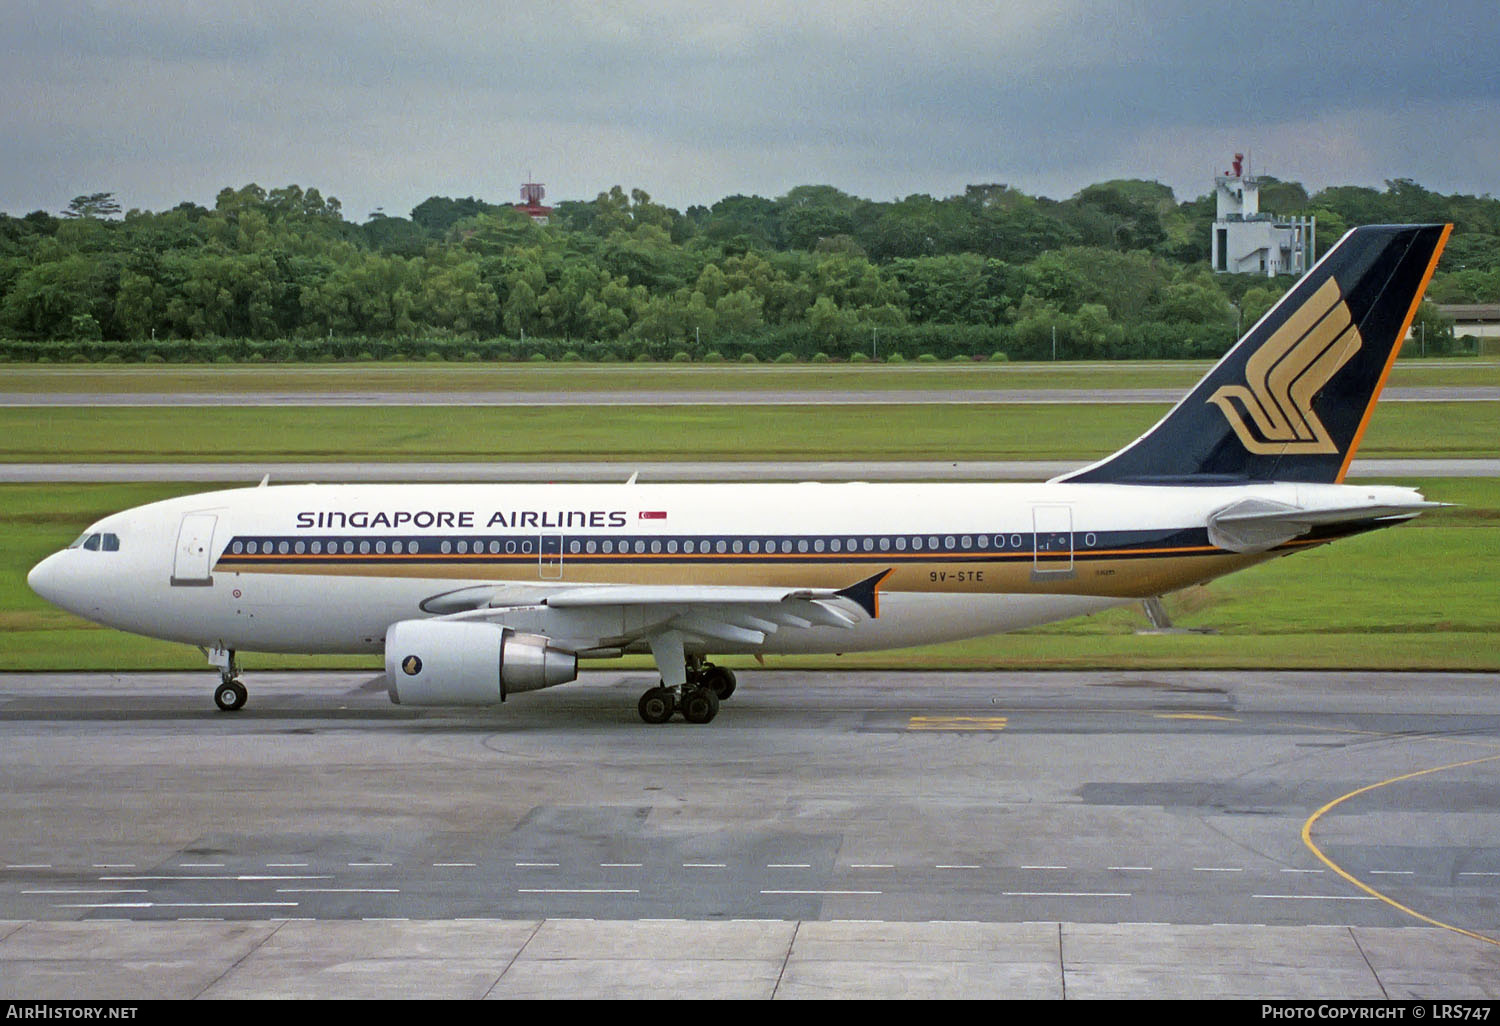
383, 104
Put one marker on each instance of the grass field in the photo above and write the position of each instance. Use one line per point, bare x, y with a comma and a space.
229, 379
723, 432
1419, 596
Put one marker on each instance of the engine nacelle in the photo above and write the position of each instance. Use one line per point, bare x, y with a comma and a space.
444, 662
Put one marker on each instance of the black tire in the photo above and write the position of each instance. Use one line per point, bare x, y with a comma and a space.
720, 681
657, 705
230, 696
700, 705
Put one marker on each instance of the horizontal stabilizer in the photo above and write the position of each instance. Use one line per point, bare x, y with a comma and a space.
1255, 525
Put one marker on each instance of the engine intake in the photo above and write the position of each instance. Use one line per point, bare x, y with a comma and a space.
439, 662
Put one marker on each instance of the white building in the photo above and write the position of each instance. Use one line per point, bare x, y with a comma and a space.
1245, 241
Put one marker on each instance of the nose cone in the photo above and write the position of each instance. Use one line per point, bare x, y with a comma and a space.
43, 578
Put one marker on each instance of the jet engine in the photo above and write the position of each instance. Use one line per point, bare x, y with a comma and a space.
445, 662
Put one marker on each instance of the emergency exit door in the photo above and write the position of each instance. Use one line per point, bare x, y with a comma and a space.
550, 556
1053, 547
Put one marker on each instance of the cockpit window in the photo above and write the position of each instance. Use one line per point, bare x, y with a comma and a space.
110, 542
92, 544
97, 542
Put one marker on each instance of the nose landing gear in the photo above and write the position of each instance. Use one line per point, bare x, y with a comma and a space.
231, 694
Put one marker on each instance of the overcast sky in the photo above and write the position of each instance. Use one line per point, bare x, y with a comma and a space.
383, 103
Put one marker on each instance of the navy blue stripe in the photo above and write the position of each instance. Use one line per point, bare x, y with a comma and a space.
1015, 546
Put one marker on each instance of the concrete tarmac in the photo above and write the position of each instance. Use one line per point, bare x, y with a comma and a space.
861, 834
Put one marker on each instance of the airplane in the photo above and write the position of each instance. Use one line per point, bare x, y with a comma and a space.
478, 592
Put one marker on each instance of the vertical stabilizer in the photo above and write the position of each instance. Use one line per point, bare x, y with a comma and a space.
1292, 399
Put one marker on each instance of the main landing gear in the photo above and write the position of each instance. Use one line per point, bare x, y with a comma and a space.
231, 693
698, 696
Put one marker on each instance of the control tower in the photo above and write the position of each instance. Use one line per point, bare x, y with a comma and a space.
1246, 241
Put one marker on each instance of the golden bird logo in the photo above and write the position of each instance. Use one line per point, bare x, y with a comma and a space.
1284, 376
411, 666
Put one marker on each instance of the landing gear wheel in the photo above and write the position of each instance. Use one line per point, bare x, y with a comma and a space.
657, 705
718, 680
230, 696
699, 705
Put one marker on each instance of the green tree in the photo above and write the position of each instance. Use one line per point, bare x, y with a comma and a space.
95, 206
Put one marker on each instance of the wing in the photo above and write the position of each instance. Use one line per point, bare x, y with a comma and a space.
603, 618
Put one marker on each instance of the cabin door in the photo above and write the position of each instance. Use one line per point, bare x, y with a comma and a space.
195, 543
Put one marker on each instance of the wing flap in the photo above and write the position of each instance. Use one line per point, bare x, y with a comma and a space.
615, 616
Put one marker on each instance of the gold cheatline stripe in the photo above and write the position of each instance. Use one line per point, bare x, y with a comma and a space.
1390, 362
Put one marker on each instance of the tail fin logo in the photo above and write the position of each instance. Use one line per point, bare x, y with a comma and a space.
1286, 373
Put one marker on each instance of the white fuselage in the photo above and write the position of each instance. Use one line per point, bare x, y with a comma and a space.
328, 568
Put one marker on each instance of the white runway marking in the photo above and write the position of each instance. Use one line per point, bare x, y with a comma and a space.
244, 878
1067, 894
187, 904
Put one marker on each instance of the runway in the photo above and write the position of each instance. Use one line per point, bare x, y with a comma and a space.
681, 397
829, 834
